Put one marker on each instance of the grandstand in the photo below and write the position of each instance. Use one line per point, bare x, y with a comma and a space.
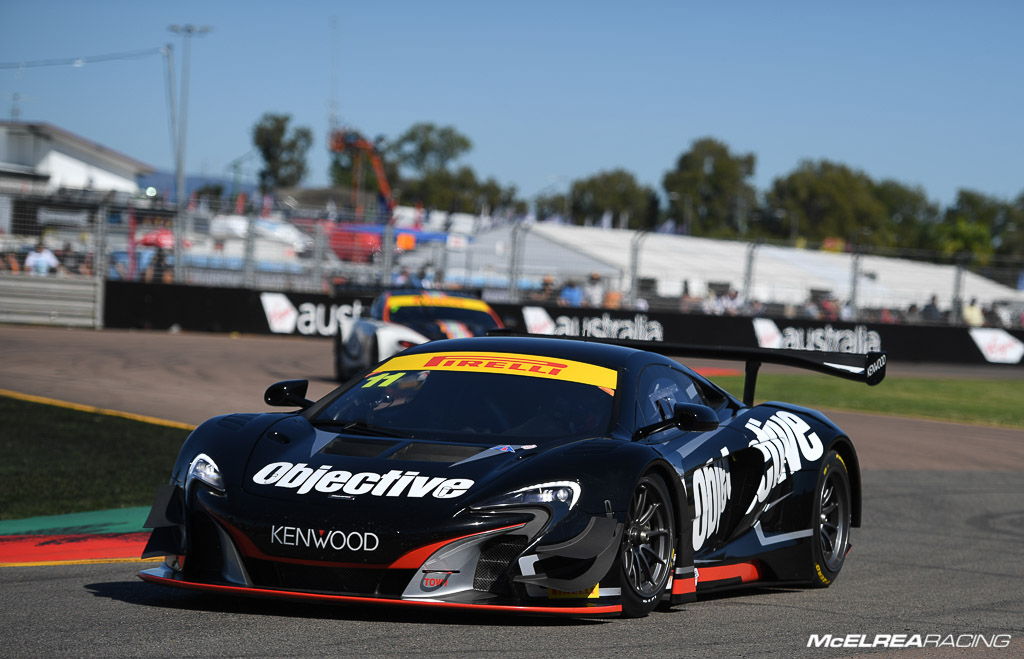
779, 275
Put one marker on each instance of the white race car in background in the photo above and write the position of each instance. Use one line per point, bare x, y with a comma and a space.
400, 319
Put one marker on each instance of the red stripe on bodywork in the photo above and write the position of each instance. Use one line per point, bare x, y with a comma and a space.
416, 557
266, 592
743, 571
77, 547
409, 560
684, 585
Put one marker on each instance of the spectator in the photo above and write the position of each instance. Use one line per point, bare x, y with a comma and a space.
913, 314
405, 278
41, 261
593, 291
158, 270
847, 313
731, 303
829, 309
612, 300
571, 295
809, 310
425, 276
546, 293
71, 260
972, 314
930, 313
9, 263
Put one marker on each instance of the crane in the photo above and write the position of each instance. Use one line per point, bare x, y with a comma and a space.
350, 140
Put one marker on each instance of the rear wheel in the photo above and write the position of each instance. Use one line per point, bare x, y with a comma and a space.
648, 545
831, 522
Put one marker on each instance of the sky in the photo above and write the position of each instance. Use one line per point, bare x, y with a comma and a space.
929, 93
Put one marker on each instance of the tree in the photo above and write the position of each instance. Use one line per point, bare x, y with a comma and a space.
709, 189
822, 199
461, 191
212, 193
284, 153
546, 206
426, 148
912, 216
974, 225
617, 192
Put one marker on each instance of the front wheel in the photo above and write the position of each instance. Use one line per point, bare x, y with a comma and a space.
831, 520
648, 547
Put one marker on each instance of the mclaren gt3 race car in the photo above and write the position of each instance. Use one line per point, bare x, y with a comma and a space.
516, 473
399, 319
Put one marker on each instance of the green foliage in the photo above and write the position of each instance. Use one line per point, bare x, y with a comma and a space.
284, 153
822, 199
989, 402
912, 217
459, 191
427, 148
982, 226
92, 461
617, 192
709, 189
551, 205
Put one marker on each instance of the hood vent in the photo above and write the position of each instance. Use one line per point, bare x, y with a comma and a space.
429, 452
359, 447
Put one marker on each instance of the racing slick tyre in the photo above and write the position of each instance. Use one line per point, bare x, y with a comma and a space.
648, 547
340, 372
831, 521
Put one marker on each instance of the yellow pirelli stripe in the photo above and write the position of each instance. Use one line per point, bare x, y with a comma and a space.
399, 301
505, 363
95, 410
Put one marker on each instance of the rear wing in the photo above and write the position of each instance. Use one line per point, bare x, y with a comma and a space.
867, 368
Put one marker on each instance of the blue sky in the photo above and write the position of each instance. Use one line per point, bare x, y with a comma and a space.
926, 92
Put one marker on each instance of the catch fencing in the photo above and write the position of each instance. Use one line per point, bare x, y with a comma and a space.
96, 238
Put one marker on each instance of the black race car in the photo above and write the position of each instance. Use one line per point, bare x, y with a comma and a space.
518, 474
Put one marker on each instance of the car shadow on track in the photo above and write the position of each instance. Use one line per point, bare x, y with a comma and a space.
143, 594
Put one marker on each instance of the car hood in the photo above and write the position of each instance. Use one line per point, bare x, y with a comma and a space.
293, 460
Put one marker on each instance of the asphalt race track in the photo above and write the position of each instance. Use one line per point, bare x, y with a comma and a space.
941, 550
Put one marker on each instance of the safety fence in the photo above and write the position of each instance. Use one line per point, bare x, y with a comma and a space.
85, 236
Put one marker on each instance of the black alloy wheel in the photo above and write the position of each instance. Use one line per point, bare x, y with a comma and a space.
831, 520
648, 545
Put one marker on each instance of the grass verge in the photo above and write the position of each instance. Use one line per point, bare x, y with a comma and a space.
990, 402
59, 460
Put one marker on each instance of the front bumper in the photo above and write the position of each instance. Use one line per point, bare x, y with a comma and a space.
165, 576
504, 567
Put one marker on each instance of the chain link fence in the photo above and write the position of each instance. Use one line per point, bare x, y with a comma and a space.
79, 235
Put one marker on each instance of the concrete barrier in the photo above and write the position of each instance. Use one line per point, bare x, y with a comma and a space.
61, 301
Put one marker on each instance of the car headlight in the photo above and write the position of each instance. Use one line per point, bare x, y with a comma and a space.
556, 492
204, 469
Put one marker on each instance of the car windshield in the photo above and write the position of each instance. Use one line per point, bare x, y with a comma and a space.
478, 398
440, 322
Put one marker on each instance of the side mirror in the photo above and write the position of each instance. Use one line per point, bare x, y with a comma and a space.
289, 393
689, 416
685, 416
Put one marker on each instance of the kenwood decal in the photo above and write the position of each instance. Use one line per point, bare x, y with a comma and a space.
396, 483
294, 536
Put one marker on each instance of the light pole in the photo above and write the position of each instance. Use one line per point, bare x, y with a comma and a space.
181, 122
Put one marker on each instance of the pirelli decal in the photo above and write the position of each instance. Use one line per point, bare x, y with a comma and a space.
506, 363
396, 302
